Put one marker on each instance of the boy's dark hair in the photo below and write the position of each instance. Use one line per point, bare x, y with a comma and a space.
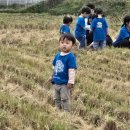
126, 19
85, 10
91, 16
67, 19
98, 11
69, 37
91, 6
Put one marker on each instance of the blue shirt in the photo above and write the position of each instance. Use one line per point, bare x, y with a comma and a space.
124, 33
80, 27
99, 27
62, 64
64, 29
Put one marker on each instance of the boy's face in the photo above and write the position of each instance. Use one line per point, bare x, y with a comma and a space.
92, 11
69, 23
85, 14
128, 24
66, 45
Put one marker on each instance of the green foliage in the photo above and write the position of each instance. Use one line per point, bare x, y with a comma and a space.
38, 8
41, 6
66, 8
73, 7
58, 7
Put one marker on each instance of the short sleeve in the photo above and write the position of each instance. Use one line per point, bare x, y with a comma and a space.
54, 61
72, 62
81, 22
64, 29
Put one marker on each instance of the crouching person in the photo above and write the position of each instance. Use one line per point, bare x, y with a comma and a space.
123, 39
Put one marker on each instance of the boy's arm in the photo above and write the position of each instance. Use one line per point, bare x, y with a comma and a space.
81, 23
107, 33
88, 27
50, 78
71, 78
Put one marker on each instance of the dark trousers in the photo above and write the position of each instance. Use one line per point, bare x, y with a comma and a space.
124, 43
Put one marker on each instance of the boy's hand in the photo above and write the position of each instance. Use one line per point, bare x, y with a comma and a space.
50, 80
70, 86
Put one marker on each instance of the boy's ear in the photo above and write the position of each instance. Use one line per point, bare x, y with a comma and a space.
127, 23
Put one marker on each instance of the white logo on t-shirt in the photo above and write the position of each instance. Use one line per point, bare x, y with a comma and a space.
99, 25
59, 67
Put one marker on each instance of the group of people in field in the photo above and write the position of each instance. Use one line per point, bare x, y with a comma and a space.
91, 31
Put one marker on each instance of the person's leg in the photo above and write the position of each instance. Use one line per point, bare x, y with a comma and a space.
82, 42
103, 44
95, 45
89, 38
65, 98
109, 41
57, 97
123, 43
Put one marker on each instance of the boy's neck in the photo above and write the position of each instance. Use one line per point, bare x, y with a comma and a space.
65, 24
64, 53
99, 16
82, 15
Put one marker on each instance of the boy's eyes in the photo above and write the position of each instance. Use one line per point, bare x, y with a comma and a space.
64, 42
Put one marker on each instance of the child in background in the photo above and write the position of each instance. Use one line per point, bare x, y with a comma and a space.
80, 29
123, 39
88, 21
64, 28
89, 34
99, 28
92, 8
63, 77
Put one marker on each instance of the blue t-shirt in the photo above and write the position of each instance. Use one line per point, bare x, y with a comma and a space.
64, 29
124, 33
99, 27
62, 64
79, 28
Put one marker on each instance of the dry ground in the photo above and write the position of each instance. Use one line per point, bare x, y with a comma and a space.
101, 97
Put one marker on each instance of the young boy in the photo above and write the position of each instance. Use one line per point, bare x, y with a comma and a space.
99, 28
89, 34
63, 77
88, 23
64, 28
80, 29
92, 7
